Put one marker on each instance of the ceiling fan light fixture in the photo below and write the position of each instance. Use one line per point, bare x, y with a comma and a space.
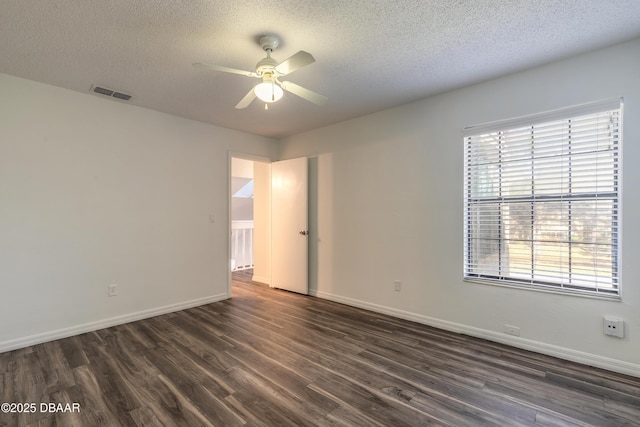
268, 92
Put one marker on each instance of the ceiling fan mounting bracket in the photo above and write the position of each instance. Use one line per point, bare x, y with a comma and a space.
269, 42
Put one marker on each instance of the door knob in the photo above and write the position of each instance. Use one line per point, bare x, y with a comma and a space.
304, 232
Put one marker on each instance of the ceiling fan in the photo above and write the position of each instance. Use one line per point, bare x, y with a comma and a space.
269, 70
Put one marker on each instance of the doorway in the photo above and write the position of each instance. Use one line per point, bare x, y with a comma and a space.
250, 217
268, 200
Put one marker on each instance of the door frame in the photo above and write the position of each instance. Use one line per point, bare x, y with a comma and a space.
244, 156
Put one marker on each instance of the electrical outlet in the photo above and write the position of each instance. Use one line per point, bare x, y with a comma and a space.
613, 326
397, 285
112, 290
511, 330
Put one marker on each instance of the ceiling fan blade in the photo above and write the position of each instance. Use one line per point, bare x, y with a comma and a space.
304, 93
248, 98
294, 62
224, 69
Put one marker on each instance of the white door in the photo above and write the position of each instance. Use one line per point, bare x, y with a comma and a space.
289, 238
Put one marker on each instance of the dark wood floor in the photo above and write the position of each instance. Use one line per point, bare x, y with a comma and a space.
273, 358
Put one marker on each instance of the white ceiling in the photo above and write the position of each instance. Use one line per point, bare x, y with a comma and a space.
371, 54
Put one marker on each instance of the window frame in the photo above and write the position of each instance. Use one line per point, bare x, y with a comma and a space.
470, 263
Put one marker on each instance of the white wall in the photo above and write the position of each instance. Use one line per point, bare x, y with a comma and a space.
95, 192
241, 168
262, 222
241, 174
390, 207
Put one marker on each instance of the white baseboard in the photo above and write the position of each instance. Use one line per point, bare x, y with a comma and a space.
265, 280
105, 323
539, 347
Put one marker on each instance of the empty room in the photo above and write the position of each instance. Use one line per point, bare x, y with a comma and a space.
289, 213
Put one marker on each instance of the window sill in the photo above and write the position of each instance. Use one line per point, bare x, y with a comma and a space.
544, 289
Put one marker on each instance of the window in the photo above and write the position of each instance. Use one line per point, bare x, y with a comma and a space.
542, 200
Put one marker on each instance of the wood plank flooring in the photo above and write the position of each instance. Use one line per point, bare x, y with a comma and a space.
273, 358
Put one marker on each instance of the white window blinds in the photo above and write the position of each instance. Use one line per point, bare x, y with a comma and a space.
542, 201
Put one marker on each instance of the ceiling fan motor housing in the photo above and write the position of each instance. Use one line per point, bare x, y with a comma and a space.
266, 66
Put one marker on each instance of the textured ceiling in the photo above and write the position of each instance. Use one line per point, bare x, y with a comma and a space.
371, 54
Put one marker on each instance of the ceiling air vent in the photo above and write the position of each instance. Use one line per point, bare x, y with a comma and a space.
121, 95
112, 93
